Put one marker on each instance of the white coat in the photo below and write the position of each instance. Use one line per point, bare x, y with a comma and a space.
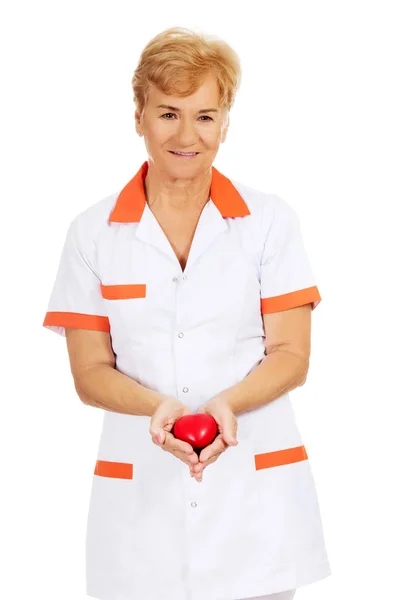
253, 525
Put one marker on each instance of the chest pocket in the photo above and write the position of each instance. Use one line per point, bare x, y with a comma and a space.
124, 291
126, 306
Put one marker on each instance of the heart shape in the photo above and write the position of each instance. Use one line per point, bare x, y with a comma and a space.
198, 430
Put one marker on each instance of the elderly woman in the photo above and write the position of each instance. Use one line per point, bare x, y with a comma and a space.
187, 292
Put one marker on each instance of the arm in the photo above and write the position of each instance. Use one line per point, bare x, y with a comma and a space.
77, 310
97, 381
286, 363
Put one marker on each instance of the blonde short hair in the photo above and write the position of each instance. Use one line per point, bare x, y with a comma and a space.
177, 61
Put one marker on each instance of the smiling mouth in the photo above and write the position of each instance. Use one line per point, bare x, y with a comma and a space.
184, 153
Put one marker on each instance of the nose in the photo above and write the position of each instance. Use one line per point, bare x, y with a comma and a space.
187, 133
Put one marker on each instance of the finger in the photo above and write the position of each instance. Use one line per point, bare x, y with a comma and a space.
172, 444
180, 449
188, 459
157, 435
178, 445
199, 468
183, 457
216, 447
197, 476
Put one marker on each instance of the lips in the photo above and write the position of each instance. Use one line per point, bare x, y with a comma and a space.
183, 153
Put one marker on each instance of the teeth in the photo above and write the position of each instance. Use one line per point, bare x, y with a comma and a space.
185, 153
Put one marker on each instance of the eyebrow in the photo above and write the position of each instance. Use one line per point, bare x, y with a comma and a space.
204, 110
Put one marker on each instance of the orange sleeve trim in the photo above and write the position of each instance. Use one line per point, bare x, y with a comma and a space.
123, 291
280, 457
77, 321
106, 468
291, 300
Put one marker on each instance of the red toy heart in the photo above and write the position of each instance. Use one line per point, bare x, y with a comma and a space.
199, 430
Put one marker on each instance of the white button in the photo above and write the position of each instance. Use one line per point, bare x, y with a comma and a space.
180, 334
184, 276
194, 504
185, 389
175, 279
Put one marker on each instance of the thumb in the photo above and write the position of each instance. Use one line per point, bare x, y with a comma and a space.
229, 436
231, 440
159, 435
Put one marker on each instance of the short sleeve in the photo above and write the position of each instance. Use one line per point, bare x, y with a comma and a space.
287, 279
76, 299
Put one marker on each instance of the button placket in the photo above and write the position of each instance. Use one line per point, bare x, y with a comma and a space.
181, 333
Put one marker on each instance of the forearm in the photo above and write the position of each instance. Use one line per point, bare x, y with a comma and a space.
279, 372
105, 387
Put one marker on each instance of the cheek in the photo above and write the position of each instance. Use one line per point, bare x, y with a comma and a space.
214, 137
158, 134
211, 140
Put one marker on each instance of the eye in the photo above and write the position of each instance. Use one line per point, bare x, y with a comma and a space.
165, 115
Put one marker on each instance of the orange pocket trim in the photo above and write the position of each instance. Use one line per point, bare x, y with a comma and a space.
291, 300
107, 468
123, 291
77, 321
280, 457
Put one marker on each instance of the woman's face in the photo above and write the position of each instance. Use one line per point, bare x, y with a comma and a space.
180, 125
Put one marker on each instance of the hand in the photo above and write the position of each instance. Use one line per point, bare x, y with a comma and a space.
219, 408
161, 425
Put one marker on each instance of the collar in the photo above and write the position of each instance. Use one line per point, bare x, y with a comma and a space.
131, 200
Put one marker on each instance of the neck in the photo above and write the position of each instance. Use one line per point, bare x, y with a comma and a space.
179, 195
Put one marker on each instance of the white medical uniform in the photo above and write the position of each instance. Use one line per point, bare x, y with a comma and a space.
252, 527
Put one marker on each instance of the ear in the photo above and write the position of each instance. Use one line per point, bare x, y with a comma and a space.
137, 123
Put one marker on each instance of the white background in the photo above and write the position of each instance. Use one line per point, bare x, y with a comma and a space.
316, 121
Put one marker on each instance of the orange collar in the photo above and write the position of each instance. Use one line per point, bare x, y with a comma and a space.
132, 199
